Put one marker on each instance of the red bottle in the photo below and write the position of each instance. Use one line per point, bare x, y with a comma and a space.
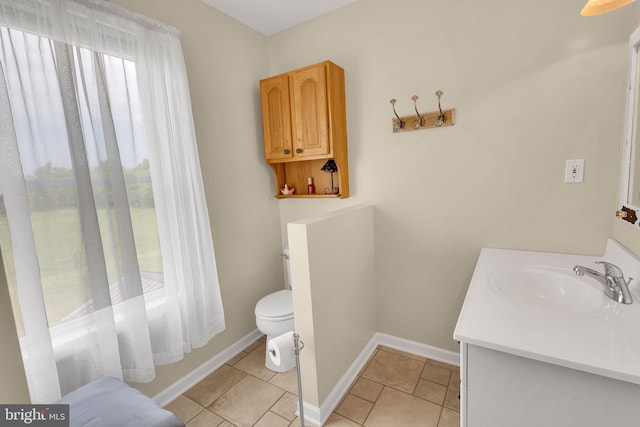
310, 187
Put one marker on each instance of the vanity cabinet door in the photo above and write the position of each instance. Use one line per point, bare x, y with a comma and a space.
504, 390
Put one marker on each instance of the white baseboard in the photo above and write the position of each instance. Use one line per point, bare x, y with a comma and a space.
174, 391
318, 416
419, 349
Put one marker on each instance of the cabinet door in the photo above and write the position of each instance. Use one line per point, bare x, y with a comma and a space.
310, 114
505, 390
276, 118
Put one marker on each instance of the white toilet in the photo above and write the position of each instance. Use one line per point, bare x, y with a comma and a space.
274, 317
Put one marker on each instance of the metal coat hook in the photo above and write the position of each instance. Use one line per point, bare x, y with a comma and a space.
432, 119
401, 123
441, 117
419, 121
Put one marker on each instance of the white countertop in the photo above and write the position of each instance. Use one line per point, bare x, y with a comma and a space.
605, 341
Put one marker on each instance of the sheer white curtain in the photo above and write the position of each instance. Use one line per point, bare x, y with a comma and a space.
104, 223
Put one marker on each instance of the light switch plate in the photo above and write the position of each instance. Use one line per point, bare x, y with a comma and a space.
574, 171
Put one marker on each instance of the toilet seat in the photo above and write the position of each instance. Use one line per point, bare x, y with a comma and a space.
277, 306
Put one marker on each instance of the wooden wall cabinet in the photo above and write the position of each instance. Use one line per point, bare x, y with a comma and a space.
304, 123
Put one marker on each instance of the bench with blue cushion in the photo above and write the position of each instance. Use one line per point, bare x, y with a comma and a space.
108, 402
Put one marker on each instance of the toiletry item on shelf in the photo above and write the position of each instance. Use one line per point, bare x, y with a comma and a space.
310, 187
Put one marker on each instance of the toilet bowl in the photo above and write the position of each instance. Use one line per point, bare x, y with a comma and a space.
274, 317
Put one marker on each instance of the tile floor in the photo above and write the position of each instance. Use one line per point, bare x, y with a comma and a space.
394, 389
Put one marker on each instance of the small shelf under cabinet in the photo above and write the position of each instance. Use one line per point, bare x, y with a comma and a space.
296, 174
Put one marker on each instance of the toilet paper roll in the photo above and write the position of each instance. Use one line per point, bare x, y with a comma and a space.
281, 349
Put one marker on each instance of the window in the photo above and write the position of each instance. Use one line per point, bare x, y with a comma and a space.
50, 178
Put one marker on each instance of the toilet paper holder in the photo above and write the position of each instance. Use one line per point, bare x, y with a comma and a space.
298, 345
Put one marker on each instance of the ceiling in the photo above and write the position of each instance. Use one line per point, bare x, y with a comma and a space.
272, 16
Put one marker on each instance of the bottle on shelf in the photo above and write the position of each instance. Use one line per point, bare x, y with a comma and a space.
311, 189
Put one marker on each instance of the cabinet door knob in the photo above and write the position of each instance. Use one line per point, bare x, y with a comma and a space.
286, 151
298, 150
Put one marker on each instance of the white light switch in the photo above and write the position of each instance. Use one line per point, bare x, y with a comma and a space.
574, 171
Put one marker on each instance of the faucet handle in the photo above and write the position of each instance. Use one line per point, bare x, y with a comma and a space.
611, 270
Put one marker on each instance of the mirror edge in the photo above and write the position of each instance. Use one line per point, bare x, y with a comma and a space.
631, 211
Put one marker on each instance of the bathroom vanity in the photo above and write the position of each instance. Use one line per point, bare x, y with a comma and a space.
541, 346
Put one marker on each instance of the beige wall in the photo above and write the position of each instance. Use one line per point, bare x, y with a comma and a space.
533, 84
225, 60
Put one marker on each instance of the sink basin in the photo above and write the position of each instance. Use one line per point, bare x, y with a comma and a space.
548, 288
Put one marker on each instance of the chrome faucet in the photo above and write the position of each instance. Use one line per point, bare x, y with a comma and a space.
615, 286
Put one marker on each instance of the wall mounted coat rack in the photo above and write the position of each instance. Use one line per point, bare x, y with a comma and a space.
422, 121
